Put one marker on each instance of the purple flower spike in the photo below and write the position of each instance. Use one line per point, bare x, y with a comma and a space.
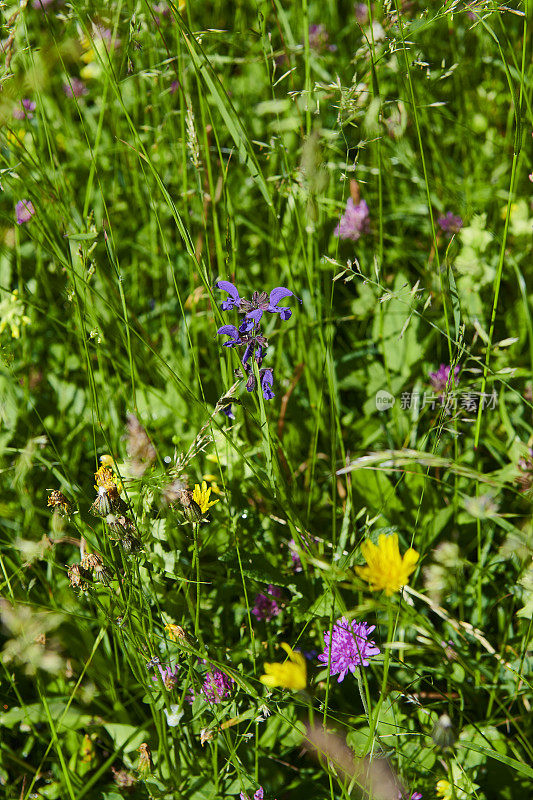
230, 330
267, 379
24, 211
233, 301
349, 647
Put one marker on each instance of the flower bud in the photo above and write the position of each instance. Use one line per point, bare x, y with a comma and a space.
443, 733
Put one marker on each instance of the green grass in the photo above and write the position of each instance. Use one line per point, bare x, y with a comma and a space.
220, 144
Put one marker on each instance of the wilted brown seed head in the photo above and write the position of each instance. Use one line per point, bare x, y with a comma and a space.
92, 562
172, 491
78, 577
130, 544
123, 778
57, 499
190, 507
140, 449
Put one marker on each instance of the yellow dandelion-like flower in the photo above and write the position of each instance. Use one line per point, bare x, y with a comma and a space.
444, 790
106, 460
290, 675
385, 567
201, 496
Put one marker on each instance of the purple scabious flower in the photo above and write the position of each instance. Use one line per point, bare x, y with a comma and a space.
169, 676
265, 606
414, 796
24, 211
349, 647
76, 88
217, 686
439, 379
450, 223
354, 222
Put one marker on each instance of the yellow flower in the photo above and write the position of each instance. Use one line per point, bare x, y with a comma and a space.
201, 496
290, 675
444, 790
175, 632
213, 481
106, 460
385, 567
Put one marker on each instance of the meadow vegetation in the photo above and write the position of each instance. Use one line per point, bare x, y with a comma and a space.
266, 400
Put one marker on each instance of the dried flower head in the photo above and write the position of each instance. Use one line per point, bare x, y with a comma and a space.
57, 500
292, 674
105, 478
190, 507
123, 778
78, 577
385, 568
92, 562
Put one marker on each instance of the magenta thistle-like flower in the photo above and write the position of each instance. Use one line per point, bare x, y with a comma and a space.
349, 646
354, 222
265, 606
216, 687
450, 223
440, 379
24, 211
